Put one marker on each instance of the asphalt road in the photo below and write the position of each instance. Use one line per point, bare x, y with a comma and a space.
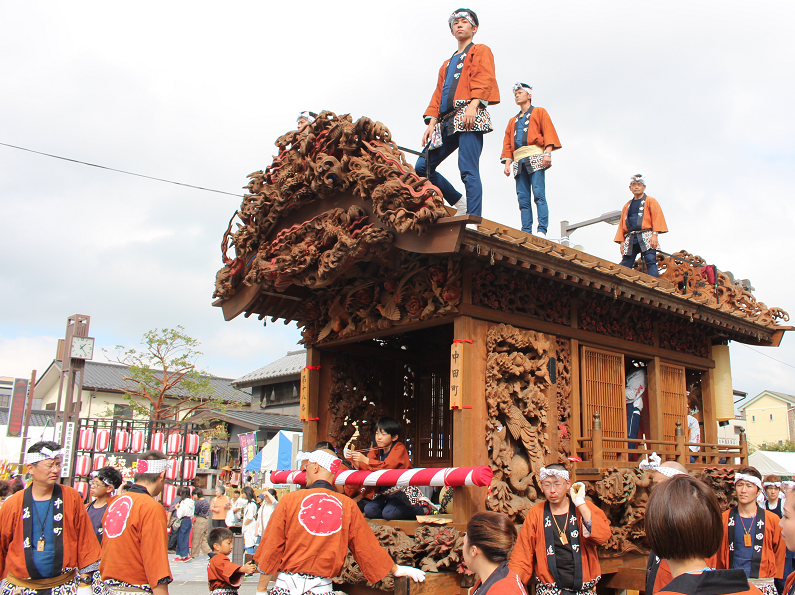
190, 578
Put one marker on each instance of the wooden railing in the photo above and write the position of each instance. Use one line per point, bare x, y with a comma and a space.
592, 450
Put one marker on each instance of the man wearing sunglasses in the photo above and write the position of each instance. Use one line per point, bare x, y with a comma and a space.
46, 539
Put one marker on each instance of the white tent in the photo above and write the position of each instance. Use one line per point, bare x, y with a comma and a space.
773, 463
278, 454
10, 446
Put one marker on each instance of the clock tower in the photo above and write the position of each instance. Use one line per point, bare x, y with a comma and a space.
77, 348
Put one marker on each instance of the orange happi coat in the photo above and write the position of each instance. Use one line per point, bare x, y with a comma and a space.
478, 80
653, 219
540, 132
663, 577
134, 546
80, 546
222, 573
529, 555
773, 548
310, 532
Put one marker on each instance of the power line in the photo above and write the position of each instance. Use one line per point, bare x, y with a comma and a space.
766, 355
121, 171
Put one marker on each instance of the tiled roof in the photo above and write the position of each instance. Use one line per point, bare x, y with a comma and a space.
37, 418
256, 419
107, 376
289, 365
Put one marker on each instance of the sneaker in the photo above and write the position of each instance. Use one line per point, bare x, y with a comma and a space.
187, 558
179, 559
461, 206
542, 234
472, 226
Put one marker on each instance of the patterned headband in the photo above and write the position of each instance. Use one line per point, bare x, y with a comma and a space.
95, 475
544, 473
152, 465
523, 86
653, 463
637, 178
45, 453
748, 478
307, 116
461, 14
322, 458
772, 483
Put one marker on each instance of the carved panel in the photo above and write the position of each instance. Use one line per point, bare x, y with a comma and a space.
517, 428
564, 397
616, 318
517, 292
677, 334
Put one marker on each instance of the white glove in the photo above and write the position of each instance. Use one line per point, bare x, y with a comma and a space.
414, 574
577, 493
346, 454
84, 589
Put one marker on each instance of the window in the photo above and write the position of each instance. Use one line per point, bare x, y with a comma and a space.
753, 418
122, 411
603, 385
771, 417
282, 392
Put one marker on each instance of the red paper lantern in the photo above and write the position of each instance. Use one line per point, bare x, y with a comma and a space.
192, 444
82, 465
174, 444
169, 493
189, 469
103, 441
122, 441
138, 440
157, 441
86, 441
99, 461
172, 471
82, 487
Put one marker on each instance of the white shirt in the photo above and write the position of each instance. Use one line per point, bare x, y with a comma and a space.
695, 432
636, 386
185, 508
263, 516
249, 530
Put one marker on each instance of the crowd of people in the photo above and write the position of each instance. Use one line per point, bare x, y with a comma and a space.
50, 540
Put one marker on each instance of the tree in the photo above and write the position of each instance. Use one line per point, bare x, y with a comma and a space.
785, 446
165, 377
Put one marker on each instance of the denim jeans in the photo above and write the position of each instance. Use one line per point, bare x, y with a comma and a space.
183, 537
633, 423
470, 146
391, 508
535, 181
649, 257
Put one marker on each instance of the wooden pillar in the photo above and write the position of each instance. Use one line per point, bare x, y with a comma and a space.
575, 398
708, 406
469, 422
655, 400
743, 448
682, 451
598, 447
310, 430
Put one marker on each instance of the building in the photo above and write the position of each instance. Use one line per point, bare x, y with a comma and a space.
769, 417
275, 387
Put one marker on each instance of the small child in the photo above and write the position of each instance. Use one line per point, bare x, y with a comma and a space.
225, 577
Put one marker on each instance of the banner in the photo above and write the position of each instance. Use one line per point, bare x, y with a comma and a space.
248, 448
68, 449
16, 412
206, 456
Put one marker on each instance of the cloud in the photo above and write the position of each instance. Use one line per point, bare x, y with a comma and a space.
21, 355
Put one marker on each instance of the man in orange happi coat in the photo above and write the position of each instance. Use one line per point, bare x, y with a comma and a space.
641, 221
46, 537
457, 116
309, 534
558, 541
134, 546
527, 149
658, 573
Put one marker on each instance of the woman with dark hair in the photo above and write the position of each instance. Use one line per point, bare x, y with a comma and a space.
269, 502
787, 525
249, 529
185, 511
103, 483
488, 543
751, 535
201, 524
684, 525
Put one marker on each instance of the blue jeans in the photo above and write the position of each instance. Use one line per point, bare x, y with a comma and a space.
526, 181
391, 508
183, 537
470, 146
633, 423
649, 257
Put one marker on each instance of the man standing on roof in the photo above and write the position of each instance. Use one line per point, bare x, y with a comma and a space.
457, 116
641, 220
310, 531
46, 537
527, 149
305, 118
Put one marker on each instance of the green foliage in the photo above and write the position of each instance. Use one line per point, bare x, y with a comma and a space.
164, 377
786, 446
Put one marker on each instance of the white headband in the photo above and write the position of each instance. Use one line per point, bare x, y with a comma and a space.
523, 86
544, 473
152, 465
748, 478
772, 483
637, 178
652, 463
788, 484
45, 453
322, 458
461, 14
307, 116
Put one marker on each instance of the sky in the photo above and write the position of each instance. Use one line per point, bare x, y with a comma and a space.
696, 96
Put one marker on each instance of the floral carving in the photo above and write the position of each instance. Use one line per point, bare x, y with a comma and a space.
678, 334
516, 292
616, 318
563, 396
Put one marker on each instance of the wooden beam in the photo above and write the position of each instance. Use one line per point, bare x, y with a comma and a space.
575, 398
655, 399
313, 358
596, 339
393, 330
708, 405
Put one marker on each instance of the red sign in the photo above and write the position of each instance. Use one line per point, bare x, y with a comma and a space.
16, 413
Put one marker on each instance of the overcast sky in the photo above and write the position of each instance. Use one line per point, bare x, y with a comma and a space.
697, 96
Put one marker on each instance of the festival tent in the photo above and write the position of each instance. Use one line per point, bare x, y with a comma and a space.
773, 463
278, 453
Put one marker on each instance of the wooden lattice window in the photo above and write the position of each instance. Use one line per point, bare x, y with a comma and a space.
433, 420
603, 391
674, 401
